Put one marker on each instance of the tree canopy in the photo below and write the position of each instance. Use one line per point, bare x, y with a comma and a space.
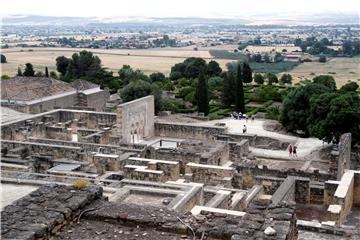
140, 88
62, 64
247, 73
3, 58
29, 70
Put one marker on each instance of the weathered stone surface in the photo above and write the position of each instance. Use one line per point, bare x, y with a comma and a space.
269, 231
39, 213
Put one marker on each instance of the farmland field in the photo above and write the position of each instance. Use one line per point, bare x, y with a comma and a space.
342, 69
148, 60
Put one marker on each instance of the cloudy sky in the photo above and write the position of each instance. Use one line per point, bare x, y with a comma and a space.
173, 8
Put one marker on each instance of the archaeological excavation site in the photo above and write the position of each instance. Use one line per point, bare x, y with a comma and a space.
129, 174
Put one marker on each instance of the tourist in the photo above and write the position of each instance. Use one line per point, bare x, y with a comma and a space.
290, 149
294, 151
244, 129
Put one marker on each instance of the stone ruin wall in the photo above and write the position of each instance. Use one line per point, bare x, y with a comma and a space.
188, 131
344, 153
136, 118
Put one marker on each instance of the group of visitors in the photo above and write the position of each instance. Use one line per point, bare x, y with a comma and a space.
240, 115
292, 150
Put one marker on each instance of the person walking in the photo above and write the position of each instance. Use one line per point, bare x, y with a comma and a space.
290, 149
244, 129
295, 151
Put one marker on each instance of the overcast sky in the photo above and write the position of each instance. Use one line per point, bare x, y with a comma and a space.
173, 8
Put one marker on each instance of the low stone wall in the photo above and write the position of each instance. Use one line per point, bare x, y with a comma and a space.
188, 131
237, 150
170, 169
57, 151
43, 212
209, 174
249, 174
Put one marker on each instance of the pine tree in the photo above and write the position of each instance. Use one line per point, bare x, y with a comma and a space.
19, 72
202, 94
239, 95
46, 72
247, 73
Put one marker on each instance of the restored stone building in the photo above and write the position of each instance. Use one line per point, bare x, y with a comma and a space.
41, 94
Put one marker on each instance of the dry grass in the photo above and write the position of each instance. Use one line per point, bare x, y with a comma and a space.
147, 60
80, 183
342, 69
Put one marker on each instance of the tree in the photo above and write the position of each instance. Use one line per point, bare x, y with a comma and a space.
157, 77
53, 74
228, 96
127, 74
247, 73
322, 59
194, 66
83, 64
19, 72
296, 106
267, 58
46, 72
278, 57
326, 80
213, 69
87, 66
286, 79
257, 58
332, 114
258, 78
39, 74
3, 58
271, 78
202, 94
140, 88
62, 64
239, 95
350, 87
29, 70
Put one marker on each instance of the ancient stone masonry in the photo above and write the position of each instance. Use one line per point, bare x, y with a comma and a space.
169, 180
188, 131
135, 120
42, 213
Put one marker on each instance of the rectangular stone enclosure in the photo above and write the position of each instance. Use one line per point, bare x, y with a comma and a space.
135, 119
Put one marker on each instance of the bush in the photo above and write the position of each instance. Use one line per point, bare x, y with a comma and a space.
265, 93
273, 113
80, 183
322, 59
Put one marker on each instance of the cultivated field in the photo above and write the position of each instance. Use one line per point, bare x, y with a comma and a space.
148, 60
152, 60
342, 69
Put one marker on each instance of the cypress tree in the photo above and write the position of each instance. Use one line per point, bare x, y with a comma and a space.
239, 95
46, 72
247, 73
202, 94
228, 94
